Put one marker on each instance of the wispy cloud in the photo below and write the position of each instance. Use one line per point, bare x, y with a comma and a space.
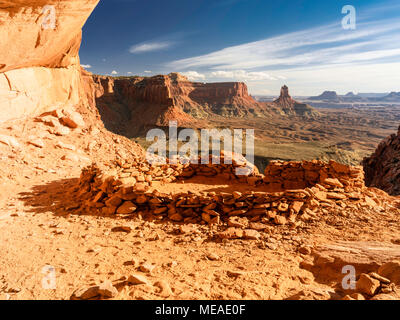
242, 75
86, 66
322, 45
151, 46
314, 59
235, 75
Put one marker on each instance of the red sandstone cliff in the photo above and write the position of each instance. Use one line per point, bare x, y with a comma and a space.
382, 169
149, 101
39, 62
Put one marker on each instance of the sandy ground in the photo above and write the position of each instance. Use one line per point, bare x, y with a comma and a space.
85, 250
40, 227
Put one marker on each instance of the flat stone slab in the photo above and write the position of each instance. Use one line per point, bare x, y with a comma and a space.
359, 252
327, 261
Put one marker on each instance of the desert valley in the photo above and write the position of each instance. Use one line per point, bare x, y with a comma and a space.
84, 215
285, 129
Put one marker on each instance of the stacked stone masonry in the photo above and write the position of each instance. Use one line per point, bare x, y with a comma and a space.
296, 191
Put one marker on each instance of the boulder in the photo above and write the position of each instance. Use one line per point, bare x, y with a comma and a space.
391, 271
72, 120
137, 279
127, 208
368, 285
105, 290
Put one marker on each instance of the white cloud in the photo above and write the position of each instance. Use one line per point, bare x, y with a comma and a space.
378, 77
194, 75
114, 72
150, 46
322, 45
242, 75
309, 61
86, 66
234, 75
148, 71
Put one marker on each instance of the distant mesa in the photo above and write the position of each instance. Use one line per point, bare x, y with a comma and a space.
372, 95
351, 97
392, 97
333, 97
330, 96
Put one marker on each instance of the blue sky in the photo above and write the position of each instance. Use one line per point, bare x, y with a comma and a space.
264, 43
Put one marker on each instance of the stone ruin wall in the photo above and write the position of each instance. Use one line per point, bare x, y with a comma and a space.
306, 174
295, 192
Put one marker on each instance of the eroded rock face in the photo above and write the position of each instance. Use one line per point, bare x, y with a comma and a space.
31, 91
291, 107
382, 169
40, 68
33, 40
132, 105
285, 100
171, 97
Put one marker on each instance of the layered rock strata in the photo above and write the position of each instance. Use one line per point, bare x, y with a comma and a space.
154, 101
39, 66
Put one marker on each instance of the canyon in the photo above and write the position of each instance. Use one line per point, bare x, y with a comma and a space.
285, 129
174, 97
78, 198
